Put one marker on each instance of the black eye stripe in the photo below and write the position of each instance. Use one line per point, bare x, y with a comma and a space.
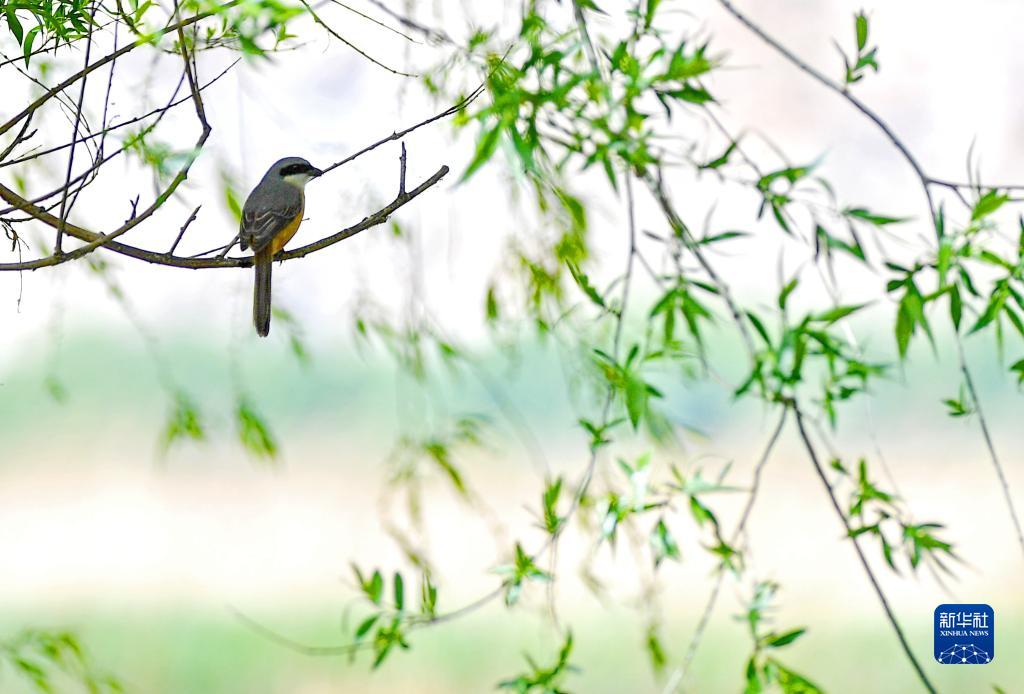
292, 169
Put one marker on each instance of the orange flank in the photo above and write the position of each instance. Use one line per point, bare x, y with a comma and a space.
286, 234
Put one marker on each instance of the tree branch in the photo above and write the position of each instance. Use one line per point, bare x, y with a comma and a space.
95, 240
680, 673
860, 553
143, 41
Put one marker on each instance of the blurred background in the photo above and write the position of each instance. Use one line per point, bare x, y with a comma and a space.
151, 556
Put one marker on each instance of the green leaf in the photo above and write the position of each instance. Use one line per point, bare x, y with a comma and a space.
655, 650
791, 682
1018, 368
231, 198
583, 282
785, 639
636, 400
987, 204
552, 521
484, 149
838, 313
375, 589
861, 22
652, 8
491, 305
14, 24
439, 452
26, 47
184, 423
253, 432
868, 216
904, 326
365, 626
428, 596
691, 94
663, 543
991, 312
722, 159
786, 291
956, 308
399, 589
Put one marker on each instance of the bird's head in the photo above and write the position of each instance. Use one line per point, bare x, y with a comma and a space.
295, 171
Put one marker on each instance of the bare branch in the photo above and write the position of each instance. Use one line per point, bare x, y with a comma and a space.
117, 126
88, 69
74, 136
184, 228
451, 110
357, 49
107, 241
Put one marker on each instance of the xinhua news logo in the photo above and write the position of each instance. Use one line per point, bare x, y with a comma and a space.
964, 634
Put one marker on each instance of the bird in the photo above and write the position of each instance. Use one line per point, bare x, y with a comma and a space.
270, 217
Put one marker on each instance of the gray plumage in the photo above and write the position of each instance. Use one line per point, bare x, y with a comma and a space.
274, 205
271, 206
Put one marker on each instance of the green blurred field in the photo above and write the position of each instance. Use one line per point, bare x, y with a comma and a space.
144, 557
185, 651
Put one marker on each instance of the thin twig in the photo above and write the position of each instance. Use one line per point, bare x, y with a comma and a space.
375, 21
656, 186
433, 34
925, 180
860, 553
679, 674
108, 240
401, 171
116, 126
57, 250
145, 41
184, 228
357, 49
451, 110
1000, 473
845, 93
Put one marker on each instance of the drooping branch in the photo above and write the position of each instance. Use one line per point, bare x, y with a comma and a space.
926, 182
904, 151
889, 614
679, 674
357, 49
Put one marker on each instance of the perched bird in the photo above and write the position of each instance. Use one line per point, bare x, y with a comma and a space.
270, 217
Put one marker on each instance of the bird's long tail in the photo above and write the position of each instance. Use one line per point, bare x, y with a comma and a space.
261, 293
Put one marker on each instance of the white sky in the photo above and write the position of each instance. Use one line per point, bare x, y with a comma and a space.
948, 78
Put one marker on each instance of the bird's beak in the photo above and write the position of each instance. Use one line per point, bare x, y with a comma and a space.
315, 172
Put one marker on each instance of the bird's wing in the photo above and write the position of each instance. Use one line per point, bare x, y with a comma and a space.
265, 216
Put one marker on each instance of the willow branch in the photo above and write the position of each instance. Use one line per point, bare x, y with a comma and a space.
1004, 485
698, 634
926, 182
923, 178
357, 49
890, 615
